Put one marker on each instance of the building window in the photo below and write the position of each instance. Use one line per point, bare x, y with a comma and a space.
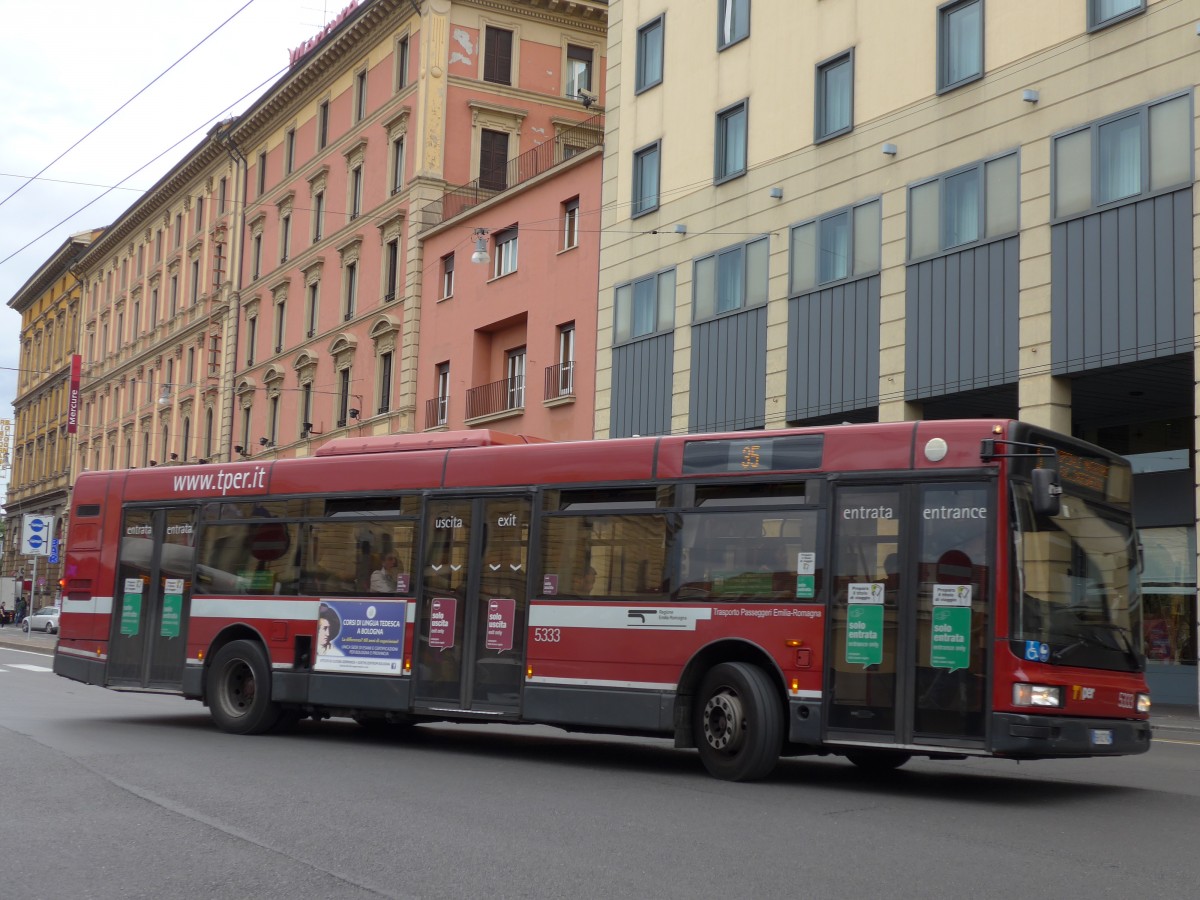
174, 295
322, 125
506, 252
579, 70
257, 268
515, 378
280, 309
566, 359
497, 55
570, 219
222, 195
191, 366
343, 398
314, 291
360, 96
397, 165
447, 275
251, 338
402, 62
318, 215
644, 306
385, 382
178, 229
272, 421
1102, 13
493, 160
731, 279
195, 285
351, 290
356, 192
153, 309
962, 207
208, 434
1138, 151
306, 421
289, 151
835, 96
842, 244
649, 55
392, 275
261, 183
158, 248
442, 409
198, 220
731, 142
733, 22
285, 237
960, 43
645, 179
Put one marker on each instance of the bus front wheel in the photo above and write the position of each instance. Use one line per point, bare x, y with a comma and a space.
738, 722
239, 689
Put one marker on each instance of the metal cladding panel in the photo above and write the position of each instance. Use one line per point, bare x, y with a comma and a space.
642, 375
962, 321
570, 462
1122, 284
729, 372
833, 350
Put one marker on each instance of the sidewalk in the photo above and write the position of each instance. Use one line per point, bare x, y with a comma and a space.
1179, 721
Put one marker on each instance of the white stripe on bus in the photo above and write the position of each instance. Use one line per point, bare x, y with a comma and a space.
74, 651
94, 605
221, 608
600, 682
646, 616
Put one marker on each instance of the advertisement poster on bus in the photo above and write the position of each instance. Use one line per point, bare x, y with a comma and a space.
363, 636
501, 615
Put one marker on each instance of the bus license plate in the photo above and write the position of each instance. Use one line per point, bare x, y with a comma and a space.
1101, 736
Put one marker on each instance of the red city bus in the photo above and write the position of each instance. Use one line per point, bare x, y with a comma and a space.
941, 589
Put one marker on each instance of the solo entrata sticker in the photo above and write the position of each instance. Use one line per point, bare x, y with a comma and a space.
949, 639
172, 610
864, 624
131, 607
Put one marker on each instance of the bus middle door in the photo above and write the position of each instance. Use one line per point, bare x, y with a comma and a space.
148, 641
470, 640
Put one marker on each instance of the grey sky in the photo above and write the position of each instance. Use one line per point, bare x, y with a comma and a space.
60, 79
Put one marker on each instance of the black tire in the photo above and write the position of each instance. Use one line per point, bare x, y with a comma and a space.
25, 627
878, 762
238, 690
737, 722
49, 628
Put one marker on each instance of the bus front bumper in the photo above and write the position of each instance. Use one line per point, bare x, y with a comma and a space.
1022, 736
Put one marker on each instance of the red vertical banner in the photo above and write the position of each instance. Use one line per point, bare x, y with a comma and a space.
500, 618
73, 395
442, 613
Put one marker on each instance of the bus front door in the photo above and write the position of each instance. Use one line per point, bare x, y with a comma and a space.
470, 640
148, 641
907, 659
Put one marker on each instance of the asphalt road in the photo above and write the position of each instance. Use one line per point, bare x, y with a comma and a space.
110, 795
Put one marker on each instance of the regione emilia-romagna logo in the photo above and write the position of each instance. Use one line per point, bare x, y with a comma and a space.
36, 535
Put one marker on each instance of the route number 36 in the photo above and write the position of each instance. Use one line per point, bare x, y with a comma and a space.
547, 635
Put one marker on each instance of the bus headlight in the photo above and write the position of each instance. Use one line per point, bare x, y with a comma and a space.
1143, 703
1037, 695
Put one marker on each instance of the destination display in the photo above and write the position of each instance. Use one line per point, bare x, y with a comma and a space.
782, 454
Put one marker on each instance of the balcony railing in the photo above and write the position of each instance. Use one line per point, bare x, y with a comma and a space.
560, 381
497, 397
567, 143
436, 412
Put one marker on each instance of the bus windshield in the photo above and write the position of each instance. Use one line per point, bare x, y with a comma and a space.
1077, 583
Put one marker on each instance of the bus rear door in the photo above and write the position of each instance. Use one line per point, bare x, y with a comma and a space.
908, 654
147, 646
470, 640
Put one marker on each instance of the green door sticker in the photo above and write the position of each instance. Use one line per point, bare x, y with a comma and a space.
172, 609
131, 607
864, 625
950, 627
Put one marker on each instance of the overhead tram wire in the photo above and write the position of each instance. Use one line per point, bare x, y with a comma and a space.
109, 117
155, 159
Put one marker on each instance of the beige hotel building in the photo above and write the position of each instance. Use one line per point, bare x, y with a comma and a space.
853, 210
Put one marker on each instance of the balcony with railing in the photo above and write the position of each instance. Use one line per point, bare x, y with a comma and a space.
497, 400
560, 384
568, 142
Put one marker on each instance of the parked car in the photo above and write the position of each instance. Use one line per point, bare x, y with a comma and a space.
45, 619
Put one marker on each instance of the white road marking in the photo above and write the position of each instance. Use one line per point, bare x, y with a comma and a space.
28, 667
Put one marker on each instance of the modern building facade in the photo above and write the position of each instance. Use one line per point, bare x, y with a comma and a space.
49, 305
823, 211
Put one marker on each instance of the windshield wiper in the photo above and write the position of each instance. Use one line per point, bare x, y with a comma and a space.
1082, 639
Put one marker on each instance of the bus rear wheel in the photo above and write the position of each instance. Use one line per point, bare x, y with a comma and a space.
737, 722
238, 690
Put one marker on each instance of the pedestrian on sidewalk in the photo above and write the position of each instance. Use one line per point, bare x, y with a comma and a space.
3, 615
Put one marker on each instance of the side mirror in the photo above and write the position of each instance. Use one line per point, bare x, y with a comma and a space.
1047, 492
